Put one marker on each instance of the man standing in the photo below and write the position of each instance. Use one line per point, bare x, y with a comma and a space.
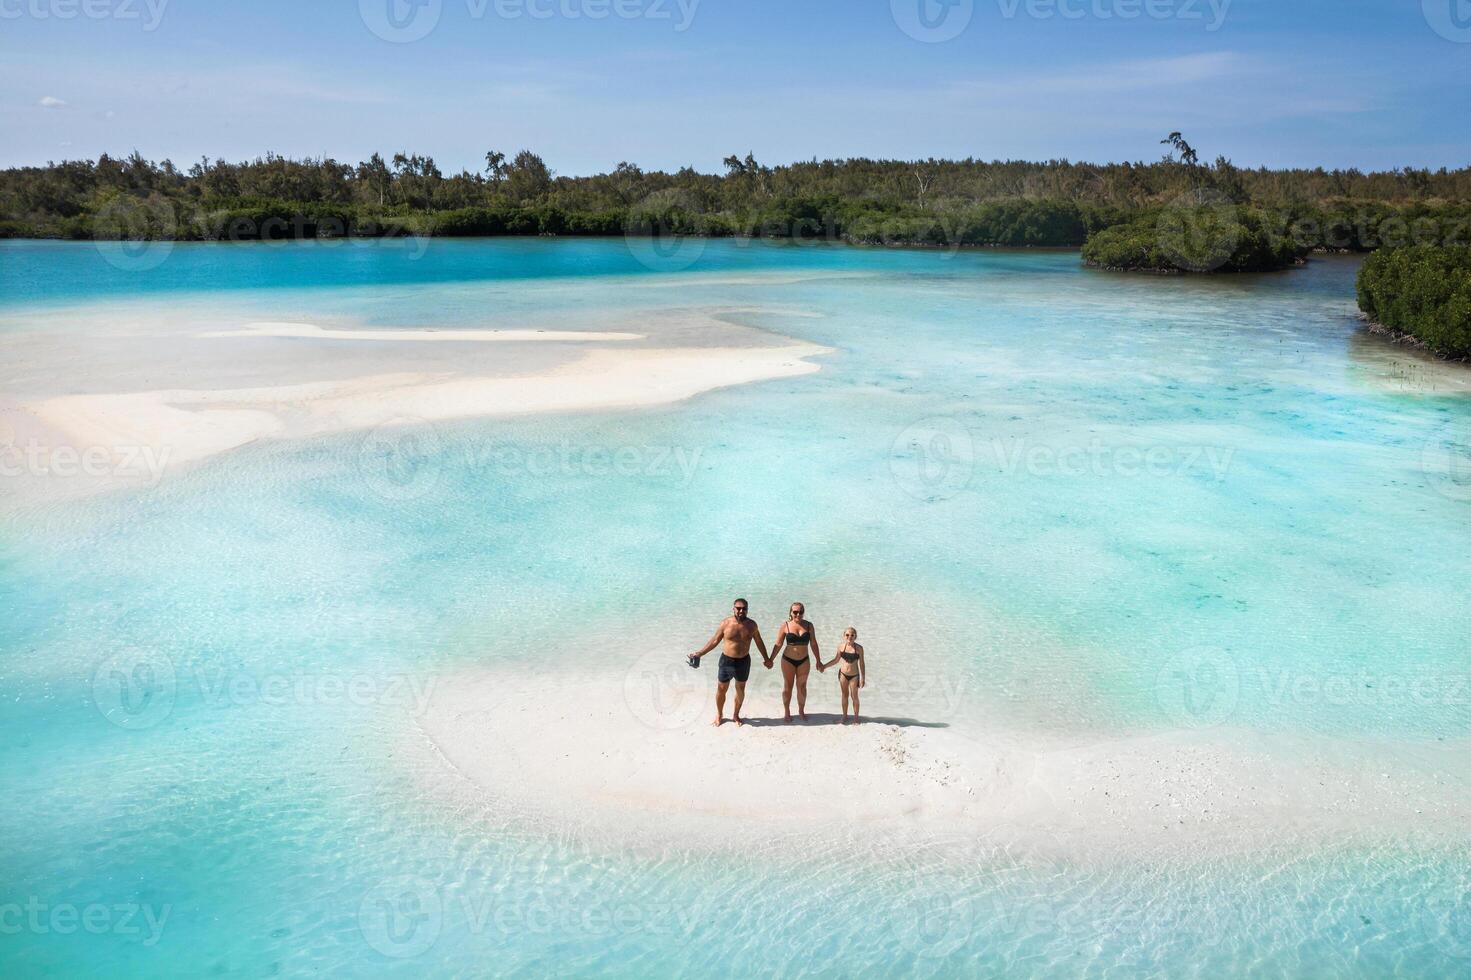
735, 662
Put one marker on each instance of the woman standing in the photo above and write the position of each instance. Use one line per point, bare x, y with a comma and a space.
797, 635
853, 675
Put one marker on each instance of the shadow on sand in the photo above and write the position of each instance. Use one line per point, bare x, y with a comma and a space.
816, 718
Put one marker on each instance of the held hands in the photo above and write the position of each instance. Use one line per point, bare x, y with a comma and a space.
768, 661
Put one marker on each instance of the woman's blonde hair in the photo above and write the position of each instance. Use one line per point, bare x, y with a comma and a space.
853, 630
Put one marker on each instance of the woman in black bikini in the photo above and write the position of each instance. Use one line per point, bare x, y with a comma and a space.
854, 672
798, 635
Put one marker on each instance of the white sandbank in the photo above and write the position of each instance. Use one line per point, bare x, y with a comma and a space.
188, 425
310, 331
132, 438
634, 755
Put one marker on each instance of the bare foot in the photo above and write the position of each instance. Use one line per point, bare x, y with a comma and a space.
803, 714
856, 721
739, 722
717, 722
788, 718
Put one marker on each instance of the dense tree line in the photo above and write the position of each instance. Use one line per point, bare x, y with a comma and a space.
1203, 238
1423, 292
935, 202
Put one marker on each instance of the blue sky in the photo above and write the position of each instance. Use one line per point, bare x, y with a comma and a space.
665, 83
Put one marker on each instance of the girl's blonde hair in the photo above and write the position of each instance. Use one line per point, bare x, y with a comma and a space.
853, 630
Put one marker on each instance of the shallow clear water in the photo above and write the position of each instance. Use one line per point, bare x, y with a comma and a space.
1082, 504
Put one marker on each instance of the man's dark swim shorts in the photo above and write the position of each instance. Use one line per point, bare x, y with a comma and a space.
738, 669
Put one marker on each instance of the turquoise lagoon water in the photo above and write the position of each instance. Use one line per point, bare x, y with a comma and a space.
1072, 504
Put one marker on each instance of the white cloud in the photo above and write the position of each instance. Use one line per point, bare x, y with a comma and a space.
1118, 77
51, 102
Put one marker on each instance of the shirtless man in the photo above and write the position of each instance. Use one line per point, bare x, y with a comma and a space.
735, 662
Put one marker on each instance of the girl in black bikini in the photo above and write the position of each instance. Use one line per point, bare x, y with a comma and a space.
854, 672
798, 635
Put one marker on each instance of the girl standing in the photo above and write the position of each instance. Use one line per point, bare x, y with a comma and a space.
853, 674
